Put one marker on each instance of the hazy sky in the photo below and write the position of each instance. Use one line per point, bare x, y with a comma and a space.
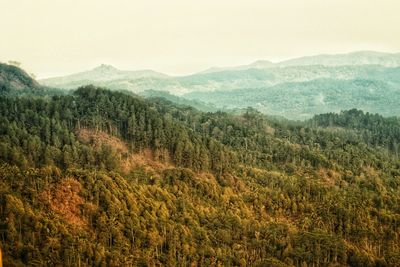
54, 37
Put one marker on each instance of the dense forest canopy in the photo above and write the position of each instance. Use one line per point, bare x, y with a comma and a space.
102, 178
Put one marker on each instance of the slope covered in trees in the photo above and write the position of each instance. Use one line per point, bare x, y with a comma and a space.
14, 78
16, 82
372, 128
101, 178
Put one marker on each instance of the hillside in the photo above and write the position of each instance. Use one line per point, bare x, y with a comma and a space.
301, 100
14, 81
14, 78
105, 178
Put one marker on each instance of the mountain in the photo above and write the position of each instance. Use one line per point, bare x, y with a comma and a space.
230, 79
101, 74
259, 73
355, 58
255, 78
105, 178
373, 81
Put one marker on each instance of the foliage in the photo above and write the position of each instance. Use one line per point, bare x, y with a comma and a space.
202, 189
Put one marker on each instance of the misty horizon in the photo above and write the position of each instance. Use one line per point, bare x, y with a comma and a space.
275, 62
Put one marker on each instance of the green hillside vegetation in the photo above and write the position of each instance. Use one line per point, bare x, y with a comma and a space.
101, 178
16, 82
14, 78
373, 129
301, 100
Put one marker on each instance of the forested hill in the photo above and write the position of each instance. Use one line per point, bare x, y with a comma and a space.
101, 178
372, 128
14, 81
14, 78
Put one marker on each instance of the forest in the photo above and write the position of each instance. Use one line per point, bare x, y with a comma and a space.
95, 177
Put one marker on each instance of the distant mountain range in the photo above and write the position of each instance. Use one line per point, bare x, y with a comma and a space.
367, 80
342, 66
355, 58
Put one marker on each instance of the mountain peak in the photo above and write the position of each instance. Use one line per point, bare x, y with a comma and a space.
105, 68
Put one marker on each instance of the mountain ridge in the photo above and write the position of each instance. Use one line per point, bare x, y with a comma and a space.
352, 58
264, 63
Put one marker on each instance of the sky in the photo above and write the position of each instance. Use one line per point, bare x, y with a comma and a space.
177, 37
